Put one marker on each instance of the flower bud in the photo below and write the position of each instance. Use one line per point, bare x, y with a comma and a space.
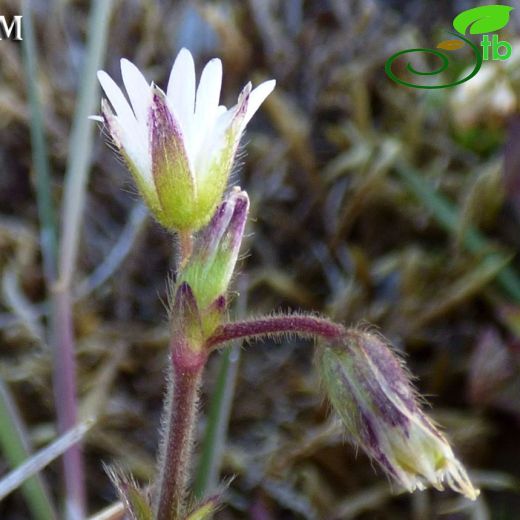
180, 144
371, 391
214, 256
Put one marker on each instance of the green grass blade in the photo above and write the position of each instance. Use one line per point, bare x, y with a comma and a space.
40, 158
206, 477
218, 418
80, 145
447, 216
15, 448
76, 176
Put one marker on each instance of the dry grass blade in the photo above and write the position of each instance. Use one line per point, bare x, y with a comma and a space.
447, 216
367, 500
22, 308
114, 512
37, 462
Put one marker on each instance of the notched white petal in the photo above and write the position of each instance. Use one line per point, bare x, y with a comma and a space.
116, 98
208, 91
181, 90
137, 88
127, 139
206, 105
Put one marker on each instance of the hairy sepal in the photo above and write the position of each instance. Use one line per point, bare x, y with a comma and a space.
175, 185
135, 500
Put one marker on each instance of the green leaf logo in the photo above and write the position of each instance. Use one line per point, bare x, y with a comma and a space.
484, 19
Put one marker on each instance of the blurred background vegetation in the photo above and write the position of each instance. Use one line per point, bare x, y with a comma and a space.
371, 203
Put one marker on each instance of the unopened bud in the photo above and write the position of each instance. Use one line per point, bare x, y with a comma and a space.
215, 253
212, 262
371, 391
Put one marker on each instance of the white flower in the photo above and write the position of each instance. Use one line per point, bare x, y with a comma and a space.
180, 145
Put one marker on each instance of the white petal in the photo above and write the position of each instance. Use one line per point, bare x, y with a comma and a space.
257, 97
213, 141
128, 136
116, 98
99, 119
137, 88
219, 115
181, 90
206, 104
225, 131
208, 91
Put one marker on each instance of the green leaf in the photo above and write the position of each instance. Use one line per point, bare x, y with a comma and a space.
484, 19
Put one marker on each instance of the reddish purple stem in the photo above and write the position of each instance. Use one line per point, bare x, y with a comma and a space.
66, 404
181, 419
302, 325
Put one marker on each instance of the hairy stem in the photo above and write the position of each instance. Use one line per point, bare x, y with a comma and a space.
301, 325
177, 446
180, 408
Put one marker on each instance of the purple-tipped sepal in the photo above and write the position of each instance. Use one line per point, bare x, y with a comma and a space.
215, 253
171, 172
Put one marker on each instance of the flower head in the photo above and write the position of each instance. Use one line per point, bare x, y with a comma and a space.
179, 145
371, 391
